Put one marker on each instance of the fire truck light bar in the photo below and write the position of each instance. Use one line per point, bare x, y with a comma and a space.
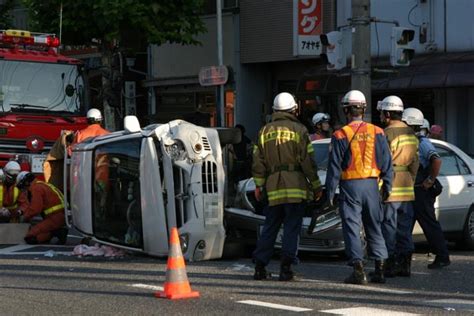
18, 37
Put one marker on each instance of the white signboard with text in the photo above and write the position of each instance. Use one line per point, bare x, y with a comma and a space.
307, 26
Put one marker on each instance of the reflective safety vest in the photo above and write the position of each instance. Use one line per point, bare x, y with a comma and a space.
16, 193
57, 207
363, 164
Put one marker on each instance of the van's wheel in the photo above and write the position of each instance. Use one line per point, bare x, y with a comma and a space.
467, 241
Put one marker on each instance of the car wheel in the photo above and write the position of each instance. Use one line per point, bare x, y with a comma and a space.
229, 135
468, 234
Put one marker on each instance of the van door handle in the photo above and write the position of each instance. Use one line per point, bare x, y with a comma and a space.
470, 184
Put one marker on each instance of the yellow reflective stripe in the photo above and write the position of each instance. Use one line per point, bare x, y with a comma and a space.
16, 193
56, 207
403, 191
403, 140
53, 209
280, 135
363, 165
259, 181
310, 149
287, 193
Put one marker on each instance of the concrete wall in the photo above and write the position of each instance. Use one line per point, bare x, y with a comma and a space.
175, 60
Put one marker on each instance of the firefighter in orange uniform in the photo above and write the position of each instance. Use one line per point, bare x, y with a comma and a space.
10, 195
94, 119
360, 156
45, 200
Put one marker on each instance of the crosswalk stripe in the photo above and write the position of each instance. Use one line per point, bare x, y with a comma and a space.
147, 286
12, 249
276, 306
359, 287
453, 303
365, 311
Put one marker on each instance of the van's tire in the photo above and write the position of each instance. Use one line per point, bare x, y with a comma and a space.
229, 135
467, 241
233, 250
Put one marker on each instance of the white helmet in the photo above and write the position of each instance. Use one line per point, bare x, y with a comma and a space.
24, 178
2, 176
11, 170
94, 115
390, 103
426, 124
354, 98
284, 102
320, 117
413, 116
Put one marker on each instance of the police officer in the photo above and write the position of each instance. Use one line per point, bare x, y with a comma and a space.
321, 125
430, 164
359, 156
284, 167
398, 214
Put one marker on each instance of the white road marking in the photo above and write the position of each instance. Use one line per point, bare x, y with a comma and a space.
360, 287
37, 253
365, 311
10, 250
276, 306
147, 286
452, 303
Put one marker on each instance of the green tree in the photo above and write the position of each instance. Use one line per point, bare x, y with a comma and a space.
159, 21
114, 23
5, 14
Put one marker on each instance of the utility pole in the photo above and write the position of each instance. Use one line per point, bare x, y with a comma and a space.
220, 89
361, 59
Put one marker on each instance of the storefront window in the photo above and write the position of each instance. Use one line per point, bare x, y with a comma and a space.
116, 193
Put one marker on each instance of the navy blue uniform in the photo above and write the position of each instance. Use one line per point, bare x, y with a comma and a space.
359, 156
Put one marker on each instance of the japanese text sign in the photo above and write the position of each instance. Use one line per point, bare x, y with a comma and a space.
307, 26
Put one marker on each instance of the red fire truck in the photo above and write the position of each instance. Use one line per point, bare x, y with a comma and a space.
41, 93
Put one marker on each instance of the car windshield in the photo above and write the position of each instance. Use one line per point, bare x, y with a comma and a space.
321, 154
32, 86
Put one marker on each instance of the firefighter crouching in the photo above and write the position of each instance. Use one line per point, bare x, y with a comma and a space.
399, 215
359, 156
10, 196
45, 200
284, 168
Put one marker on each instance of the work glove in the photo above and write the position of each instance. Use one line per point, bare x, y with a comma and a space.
428, 183
318, 194
384, 194
5, 212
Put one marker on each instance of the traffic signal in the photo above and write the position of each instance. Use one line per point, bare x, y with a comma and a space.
402, 50
333, 53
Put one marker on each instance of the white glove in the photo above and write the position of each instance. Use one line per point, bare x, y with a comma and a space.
4, 212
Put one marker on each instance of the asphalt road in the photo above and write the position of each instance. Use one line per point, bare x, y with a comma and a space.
47, 280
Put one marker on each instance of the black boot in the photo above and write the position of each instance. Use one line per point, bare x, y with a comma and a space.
379, 275
260, 272
358, 276
405, 265
439, 262
61, 235
31, 240
285, 270
391, 267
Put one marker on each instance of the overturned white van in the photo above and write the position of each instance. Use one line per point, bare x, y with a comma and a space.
129, 188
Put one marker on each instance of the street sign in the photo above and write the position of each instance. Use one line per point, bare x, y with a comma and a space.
213, 75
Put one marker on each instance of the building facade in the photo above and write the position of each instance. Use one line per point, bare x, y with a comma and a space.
259, 50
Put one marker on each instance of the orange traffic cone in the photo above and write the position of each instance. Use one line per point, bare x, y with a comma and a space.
176, 284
